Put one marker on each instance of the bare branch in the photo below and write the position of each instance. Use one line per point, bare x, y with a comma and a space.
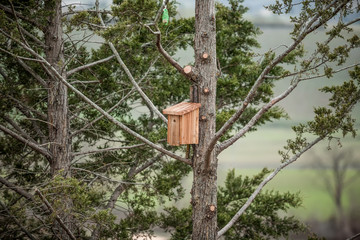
104, 177
16, 189
32, 72
170, 59
71, 12
123, 186
23, 108
254, 119
52, 70
29, 143
72, 71
102, 116
130, 76
16, 56
354, 237
19, 129
107, 150
58, 219
132, 173
307, 30
4, 74
262, 185
334, 71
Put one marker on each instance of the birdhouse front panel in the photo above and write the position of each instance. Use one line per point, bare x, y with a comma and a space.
173, 134
183, 123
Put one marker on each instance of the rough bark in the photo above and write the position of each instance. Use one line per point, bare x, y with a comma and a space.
204, 189
58, 118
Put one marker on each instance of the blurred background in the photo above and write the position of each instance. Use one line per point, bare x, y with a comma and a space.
328, 176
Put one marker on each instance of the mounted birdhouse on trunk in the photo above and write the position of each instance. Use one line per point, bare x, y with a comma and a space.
183, 123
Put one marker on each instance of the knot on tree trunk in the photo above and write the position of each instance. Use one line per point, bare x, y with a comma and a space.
210, 211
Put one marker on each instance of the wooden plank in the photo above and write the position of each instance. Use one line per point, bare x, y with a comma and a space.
173, 133
184, 128
181, 108
189, 128
195, 139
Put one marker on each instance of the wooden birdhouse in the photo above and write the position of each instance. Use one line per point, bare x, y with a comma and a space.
183, 123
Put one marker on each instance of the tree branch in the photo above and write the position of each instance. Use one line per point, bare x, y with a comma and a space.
334, 71
58, 219
23, 108
107, 150
354, 237
48, 67
72, 71
132, 173
254, 119
19, 129
170, 59
16, 189
262, 185
130, 76
32, 72
102, 116
307, 30
104, 177
29, 143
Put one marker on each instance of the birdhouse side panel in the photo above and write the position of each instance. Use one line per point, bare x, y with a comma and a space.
189, 128
184, 126
195, 121
173, 134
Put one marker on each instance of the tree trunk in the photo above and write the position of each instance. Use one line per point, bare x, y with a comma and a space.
60, 143
204, 187
58, 117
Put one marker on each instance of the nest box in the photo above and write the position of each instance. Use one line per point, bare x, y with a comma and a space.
183, 123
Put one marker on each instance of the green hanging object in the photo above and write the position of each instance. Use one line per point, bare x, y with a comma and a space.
165, 16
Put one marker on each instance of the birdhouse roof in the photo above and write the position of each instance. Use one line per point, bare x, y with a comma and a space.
181, 108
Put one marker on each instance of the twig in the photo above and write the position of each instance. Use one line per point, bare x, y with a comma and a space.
354, 237
29, 143
72, 71
107, 150
148, 102
58, 219
104, 177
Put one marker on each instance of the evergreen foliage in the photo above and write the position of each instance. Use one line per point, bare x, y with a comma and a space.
140, 179
265, 219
